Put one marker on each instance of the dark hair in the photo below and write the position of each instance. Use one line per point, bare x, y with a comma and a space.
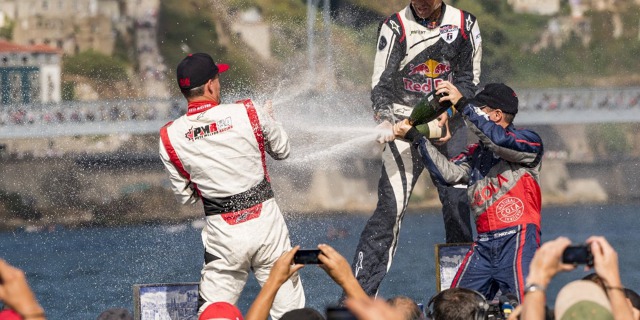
458, 304
633, 297
408, 307
193, 93
508, 117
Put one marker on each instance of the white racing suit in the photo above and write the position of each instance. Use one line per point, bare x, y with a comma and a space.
411, 60
216, 154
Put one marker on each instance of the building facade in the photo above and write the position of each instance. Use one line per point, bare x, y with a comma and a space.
70, 25
29, 74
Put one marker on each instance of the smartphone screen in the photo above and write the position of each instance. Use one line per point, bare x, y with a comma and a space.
306, 256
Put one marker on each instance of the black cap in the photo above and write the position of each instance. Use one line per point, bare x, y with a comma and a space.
196, 69
498, 96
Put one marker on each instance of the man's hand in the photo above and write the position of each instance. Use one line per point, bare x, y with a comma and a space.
385, 132
15, 292
547, 261
268, 108
605, 261
284, 268
401, 128
337, 267
373, 309
334, 264
451, 92
444, 124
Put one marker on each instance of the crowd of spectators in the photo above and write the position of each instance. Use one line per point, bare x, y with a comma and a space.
112, 111
131, 110
599, 295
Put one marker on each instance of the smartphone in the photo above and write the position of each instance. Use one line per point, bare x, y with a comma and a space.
578, 254
339, 313
307, 256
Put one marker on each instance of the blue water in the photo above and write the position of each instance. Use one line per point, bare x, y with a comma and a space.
77, 274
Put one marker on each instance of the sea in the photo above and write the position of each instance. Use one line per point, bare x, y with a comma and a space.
78, 273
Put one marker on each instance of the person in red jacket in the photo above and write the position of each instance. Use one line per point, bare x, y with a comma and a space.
501, 172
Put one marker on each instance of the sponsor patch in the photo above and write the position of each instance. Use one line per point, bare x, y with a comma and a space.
211, 129
509, 209
449, 33
382, 43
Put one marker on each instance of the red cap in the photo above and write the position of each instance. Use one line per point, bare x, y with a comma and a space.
9, 315
221, 310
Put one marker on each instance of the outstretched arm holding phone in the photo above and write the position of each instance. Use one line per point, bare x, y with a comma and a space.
282, 270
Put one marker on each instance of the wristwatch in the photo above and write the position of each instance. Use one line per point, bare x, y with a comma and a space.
534, 287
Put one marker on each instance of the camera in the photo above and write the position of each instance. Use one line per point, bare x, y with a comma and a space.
578, 254
339, 313
307, 256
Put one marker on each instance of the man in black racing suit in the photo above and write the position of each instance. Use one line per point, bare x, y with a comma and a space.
420, 46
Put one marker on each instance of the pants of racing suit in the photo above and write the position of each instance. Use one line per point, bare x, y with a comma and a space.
401, 167
235, 243
499, 260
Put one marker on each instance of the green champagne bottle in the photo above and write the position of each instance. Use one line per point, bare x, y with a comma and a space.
428, 109
431, 130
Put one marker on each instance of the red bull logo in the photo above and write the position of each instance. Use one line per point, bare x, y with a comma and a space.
429, 69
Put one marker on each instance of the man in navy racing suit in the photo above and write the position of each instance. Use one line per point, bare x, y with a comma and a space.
425, 43
501, 172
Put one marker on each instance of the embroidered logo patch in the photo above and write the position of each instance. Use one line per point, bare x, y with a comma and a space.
383, 43
449, 33
509, 209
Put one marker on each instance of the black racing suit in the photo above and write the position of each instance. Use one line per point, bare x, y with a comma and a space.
412, 58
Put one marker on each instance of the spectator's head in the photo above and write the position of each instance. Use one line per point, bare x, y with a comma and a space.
407, 307
634, 300
501, 102
583, 300
197, 76
302, 314
115, 314
458, 304
221, 311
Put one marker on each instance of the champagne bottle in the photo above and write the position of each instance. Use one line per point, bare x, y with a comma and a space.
428, 109
431, 130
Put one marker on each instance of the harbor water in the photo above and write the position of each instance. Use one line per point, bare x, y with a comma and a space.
77, 274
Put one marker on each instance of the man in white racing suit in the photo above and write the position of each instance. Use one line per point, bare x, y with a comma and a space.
424, 44
216, 153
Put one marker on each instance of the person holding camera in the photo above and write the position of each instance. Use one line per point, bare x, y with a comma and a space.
548, 261
501, 172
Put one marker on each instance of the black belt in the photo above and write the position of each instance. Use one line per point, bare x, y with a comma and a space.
237, 202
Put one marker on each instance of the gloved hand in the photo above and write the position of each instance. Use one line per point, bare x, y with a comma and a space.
385, 132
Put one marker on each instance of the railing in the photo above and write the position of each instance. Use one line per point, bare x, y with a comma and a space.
540, 106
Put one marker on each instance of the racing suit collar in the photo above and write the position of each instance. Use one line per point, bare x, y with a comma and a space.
426, 22
200, 106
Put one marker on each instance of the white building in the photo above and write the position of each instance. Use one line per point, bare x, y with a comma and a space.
542, 7
29, 74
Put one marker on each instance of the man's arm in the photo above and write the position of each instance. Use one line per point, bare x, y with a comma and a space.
519, 146
16, 293
337, 267
389, 54
466, 67
282, 270
443, 171
276, 138
181, 186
